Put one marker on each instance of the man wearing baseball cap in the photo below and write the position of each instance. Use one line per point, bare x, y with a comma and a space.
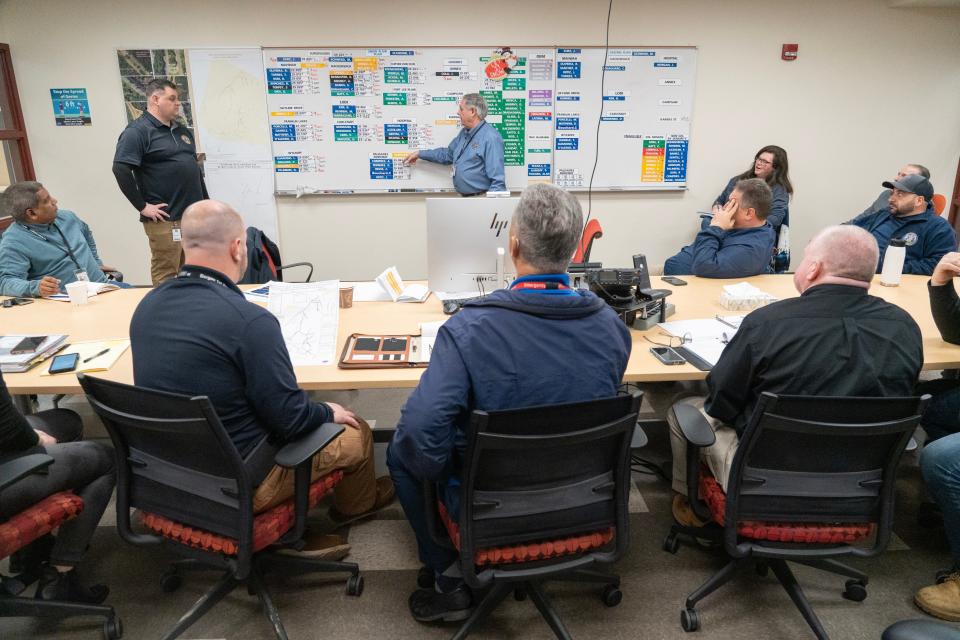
911, 218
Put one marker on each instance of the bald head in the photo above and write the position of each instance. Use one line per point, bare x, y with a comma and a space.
208, 225
840, 254
213, 235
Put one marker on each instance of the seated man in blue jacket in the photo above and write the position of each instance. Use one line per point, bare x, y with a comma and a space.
47, 248
911, 217
538, 342
737, 243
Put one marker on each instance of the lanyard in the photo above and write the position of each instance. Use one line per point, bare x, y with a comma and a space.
539, 285
199, 275
66, 245
473, 135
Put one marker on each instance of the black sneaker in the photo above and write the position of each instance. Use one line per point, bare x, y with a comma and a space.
429, 605
66, 586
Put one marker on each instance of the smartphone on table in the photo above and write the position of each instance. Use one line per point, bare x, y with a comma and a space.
677, 282
666, 355
64, 363
27, 345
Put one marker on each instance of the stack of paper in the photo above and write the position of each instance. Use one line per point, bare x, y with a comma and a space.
16, 363
705, 337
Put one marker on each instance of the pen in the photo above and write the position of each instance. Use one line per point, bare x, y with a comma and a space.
96, 356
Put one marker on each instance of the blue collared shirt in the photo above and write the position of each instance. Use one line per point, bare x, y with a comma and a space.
30, 251
477, 156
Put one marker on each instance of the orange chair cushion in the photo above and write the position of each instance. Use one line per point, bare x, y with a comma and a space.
531, 551
38, 520
809, 533
268, 527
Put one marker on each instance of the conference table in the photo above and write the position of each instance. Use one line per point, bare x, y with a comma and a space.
107, 316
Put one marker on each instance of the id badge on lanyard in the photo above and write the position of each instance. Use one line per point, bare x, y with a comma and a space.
176, 234
81, 275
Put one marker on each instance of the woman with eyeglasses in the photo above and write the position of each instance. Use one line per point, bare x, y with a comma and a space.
770, 164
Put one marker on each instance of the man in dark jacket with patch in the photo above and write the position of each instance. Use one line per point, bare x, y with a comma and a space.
911, 218
539, 342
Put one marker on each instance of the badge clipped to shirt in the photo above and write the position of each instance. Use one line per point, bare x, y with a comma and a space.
81, 275
176, 234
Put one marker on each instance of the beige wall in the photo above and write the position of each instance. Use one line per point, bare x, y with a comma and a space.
873, 88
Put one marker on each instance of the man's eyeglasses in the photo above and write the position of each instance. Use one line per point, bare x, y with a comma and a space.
672, 341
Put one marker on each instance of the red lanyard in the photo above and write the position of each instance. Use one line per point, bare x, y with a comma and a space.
539, 285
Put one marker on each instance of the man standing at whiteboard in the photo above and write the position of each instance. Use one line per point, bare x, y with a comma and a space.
476, 153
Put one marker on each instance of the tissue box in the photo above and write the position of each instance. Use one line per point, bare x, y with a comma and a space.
744, 297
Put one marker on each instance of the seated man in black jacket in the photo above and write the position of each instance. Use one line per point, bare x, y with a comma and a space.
197, 334
833, 340
86, 468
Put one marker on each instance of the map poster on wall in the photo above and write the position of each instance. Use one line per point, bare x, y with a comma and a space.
71, 107
140, 66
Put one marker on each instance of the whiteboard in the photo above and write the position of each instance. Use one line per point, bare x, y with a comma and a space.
343, 119
645, 126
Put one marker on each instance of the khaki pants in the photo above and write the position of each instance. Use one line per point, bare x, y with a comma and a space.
351, 452
718, 457
166, 256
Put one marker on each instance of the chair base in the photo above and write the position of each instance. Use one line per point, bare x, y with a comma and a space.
855, 588
15, 607
534, 588
171, 580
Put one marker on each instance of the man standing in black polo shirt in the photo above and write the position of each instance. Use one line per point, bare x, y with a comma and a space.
156, 167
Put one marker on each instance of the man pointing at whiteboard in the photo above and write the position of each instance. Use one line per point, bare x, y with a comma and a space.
476, 153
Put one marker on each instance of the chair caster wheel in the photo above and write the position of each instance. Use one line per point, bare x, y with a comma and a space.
355, 585
170, 581
611, 595
855, 590
519, 594
762, 569
112, 628
690, 620
671, 544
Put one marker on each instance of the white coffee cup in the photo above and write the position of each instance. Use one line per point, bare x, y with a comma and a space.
77, 292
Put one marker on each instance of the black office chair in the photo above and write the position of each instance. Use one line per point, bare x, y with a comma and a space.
263, 260
178, 466
31, 524
812, 480
544, 497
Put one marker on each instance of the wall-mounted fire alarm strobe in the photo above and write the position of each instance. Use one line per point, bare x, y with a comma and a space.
789, 52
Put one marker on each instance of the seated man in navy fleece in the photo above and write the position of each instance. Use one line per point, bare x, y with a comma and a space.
737, 243
910, 217
539, 342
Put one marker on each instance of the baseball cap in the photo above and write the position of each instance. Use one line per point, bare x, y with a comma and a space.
913, 183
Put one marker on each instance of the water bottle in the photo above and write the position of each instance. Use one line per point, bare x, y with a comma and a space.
893, 263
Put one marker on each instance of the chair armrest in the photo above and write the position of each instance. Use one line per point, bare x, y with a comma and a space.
113, 274
19, 468
309, 265
694, 426
302, 449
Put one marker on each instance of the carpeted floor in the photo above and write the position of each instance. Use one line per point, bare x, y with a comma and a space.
654, 584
